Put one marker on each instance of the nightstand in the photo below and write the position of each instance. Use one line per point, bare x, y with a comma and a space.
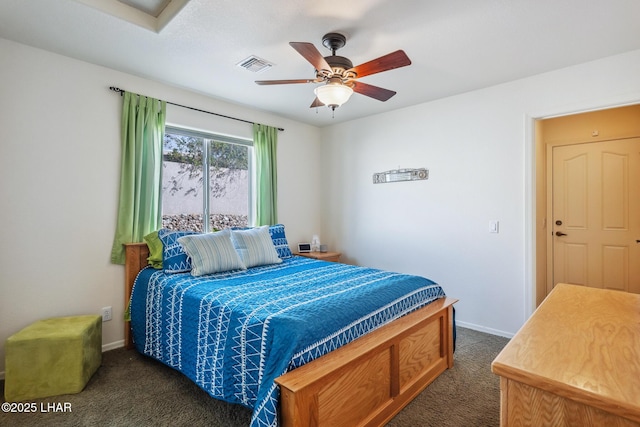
324, 256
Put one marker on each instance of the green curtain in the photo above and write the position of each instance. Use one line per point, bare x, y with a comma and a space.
140, 205
265, 142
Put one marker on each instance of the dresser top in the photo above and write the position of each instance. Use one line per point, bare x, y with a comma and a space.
583, 344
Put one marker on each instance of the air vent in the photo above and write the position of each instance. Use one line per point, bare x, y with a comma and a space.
255, 64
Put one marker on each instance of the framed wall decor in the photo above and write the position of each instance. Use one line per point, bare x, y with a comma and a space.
398, 175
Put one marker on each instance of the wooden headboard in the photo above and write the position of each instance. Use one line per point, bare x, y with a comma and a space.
136, 255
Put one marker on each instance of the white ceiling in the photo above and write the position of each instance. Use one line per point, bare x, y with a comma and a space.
454, 45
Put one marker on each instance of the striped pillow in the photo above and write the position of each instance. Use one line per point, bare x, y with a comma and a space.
255, 246
211, 253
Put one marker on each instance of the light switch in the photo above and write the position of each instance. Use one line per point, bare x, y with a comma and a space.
494, 226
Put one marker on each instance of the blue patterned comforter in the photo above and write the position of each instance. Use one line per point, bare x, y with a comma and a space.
233, 333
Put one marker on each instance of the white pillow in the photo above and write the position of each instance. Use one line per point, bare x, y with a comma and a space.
255, 246
211, 253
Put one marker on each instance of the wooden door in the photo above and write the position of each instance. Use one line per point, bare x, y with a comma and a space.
595, 223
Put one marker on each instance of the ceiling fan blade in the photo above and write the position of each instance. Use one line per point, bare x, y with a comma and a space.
285, 82
387, 62
311, 54
316, 103
375, 92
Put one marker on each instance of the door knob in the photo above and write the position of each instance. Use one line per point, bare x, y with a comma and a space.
560, 233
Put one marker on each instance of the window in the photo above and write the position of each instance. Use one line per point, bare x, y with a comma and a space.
205, 176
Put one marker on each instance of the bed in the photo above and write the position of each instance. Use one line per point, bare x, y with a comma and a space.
301, 342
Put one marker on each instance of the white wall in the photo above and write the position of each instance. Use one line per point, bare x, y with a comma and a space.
479, 150
59, 177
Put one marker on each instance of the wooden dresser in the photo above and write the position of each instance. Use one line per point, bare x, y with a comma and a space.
575, 362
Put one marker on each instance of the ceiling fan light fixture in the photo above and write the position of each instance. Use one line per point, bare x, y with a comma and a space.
333, 95
339, 75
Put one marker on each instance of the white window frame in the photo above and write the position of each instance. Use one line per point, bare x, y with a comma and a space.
207, 137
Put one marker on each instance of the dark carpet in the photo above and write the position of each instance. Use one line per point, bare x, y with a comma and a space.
132, 390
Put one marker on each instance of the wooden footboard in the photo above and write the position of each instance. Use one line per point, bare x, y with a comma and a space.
368, 381
364, 383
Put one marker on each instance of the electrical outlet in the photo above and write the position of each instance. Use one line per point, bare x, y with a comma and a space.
106, 314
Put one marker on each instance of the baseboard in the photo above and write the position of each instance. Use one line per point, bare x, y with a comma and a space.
484, 329
113, 345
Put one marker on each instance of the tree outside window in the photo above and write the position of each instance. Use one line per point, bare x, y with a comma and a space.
205, 177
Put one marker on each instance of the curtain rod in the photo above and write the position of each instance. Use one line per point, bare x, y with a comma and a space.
122, 91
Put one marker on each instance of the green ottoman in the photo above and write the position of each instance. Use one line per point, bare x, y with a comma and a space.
52, 357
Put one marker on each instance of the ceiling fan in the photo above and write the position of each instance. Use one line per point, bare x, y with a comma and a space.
338, 74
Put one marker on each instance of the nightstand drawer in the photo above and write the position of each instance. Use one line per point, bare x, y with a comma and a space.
324, 256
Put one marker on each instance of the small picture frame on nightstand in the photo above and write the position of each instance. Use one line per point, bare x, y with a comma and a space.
304, 248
